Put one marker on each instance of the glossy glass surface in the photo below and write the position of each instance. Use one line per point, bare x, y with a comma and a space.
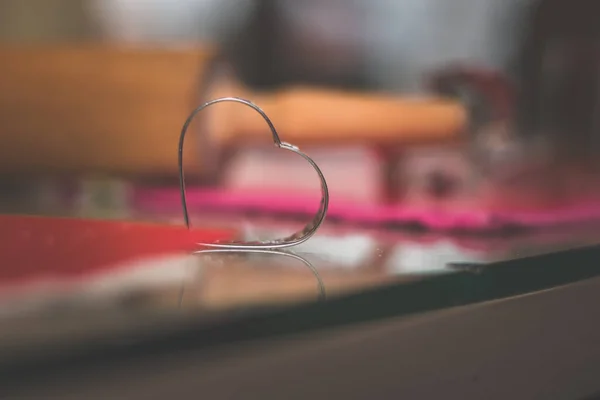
394, 271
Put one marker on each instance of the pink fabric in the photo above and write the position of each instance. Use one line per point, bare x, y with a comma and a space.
168, 200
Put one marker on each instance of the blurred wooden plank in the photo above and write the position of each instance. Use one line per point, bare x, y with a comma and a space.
95, 109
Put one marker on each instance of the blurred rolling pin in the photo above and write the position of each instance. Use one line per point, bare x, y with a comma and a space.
310, 115
82, 110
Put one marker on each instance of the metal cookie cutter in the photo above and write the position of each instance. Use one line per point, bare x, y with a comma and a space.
269, 247
293, 240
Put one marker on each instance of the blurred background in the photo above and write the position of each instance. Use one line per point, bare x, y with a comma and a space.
99, 89
434, 104
465, 114
431, 103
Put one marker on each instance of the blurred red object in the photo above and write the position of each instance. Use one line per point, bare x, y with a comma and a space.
34, 248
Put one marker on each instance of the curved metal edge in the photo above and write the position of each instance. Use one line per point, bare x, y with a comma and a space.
293, 240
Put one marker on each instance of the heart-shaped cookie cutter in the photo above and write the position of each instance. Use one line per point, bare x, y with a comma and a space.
292, 240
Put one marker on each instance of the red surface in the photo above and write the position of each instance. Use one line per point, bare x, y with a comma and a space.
39, 247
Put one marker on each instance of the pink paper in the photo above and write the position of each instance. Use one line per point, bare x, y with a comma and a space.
168, 200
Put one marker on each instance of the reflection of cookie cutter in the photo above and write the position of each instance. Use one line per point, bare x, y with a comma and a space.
246, 251
295, 239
